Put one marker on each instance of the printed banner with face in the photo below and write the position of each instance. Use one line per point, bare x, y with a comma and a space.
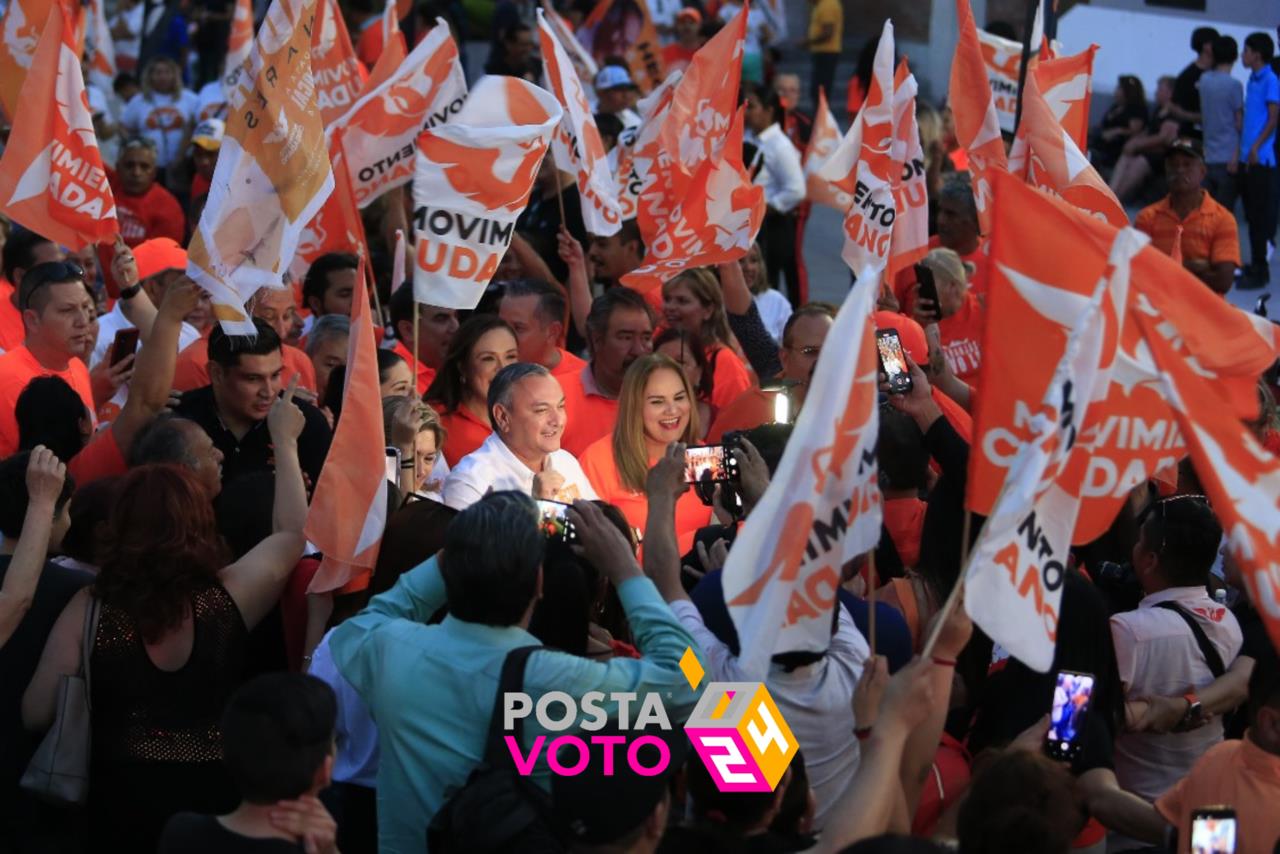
339, 74
1067, 86
380, 129
273, 170
910, 240
625, 28
1046, 157
823, 505
474, 176
1014, 578
824, 138
972, 105
51, 175
101, 58
576, 145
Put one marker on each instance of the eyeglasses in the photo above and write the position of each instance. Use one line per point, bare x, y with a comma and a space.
805, 351
48, 273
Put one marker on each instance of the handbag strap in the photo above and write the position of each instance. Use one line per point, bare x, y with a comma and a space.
91, 613
511, 681
1207, 649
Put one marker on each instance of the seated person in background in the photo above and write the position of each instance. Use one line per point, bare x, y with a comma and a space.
959, 313
483, 346
144, 208
535, 311
526, 407
1188, 224
436, 328
1141, 155
1126, 116
692, 301
246, 375
655, 408
330, 283
277, 744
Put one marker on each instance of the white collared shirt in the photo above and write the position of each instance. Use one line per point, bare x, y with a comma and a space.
492, 467
113, 321
782, 176
1158, 656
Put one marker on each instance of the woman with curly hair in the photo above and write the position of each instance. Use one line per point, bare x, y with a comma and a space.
168, 650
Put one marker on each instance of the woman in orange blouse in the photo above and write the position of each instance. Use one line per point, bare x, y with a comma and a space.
655, 408
480, 348
693, 301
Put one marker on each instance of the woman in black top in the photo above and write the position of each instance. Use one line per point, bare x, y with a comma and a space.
1126, 117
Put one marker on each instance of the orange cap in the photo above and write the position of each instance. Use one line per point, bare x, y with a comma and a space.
158, 254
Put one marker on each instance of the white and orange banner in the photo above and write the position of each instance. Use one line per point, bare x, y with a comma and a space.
240, 41
582, 61
625, 28
824, 138
381, 128
823, 505
1047, 158
972, 105
339, 74
348, 511
51, 176
474, 176
1002, 58
653, 109
337, 226
910, 241
101, 59
1067, 86
576, 145
273, 171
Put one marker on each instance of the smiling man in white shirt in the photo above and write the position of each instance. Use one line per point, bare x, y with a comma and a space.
526, 406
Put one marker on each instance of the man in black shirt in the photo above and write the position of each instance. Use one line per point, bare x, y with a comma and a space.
245, 378
1186, 89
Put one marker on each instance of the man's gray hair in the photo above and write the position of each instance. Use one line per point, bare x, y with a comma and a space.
164, 440
327, 328
503, 385
958, 186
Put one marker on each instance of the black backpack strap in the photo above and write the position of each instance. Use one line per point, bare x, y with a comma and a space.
511, 681
1207, 649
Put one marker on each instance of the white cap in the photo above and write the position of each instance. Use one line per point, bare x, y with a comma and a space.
613, 77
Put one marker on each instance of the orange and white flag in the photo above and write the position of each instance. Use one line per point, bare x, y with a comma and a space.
102, 50
1002, 58
576, 145
910, 240
337, 226
393, 55
1067, 86
824, 138
380, 129
697, 204
582, 61
977, 125
474, 177
348, 511
1046, 157
823, 506
19, 32
51, 175
653, 109
625, 28
339, 75
273, 171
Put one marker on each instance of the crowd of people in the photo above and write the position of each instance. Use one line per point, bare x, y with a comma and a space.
156, 472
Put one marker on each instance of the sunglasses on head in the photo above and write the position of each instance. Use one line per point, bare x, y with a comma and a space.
1162, 506
48, 273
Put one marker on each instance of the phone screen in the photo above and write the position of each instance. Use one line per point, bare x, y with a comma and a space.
554, 520
705, 463
125, 343
1071, 695
928, 287
1213, 831
393, 465
893, 361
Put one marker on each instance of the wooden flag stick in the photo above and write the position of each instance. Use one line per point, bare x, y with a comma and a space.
559, 189
950, 604
417, 359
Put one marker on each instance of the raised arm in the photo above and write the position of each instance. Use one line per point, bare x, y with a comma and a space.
579, 287
45, 476
285, 422
663, 487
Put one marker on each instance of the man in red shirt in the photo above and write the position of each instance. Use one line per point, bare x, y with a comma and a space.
58, 311
23, 250
619, 331
144, 209
535, 310
436, 327
677, 55
958, 231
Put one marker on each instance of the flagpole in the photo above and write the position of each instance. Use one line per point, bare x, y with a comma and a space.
950, 604
559, 189
1030, 24
358, 226
417, 360
872, 578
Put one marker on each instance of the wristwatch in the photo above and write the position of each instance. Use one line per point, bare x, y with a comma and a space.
131, 291
1193, 707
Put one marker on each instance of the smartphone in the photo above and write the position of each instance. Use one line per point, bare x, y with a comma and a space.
709, 464
928, 287
1213, 830
554, 520
893, 361
393, 465
1071, 695
123, 345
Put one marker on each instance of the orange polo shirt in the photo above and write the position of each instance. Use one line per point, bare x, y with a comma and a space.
569, 364
730, 377
1235, 772
12, 329
748, 410
588, 412
18, 367
425, 374
598, 464
192, 369
464, 432
1209, 233
962, 339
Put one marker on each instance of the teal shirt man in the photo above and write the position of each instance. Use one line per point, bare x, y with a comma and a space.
431, 689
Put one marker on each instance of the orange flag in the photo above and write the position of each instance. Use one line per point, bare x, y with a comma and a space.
1067, 86
102, 53
382, 38
19, 32
51, 175
823, 141
391, 56
337, 226
697, 204
339, 75
1046, 157
625, 28
977, 128
653, 109
349, 508
578, 55
910, 240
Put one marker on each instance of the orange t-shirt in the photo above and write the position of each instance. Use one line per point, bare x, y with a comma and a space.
904, 519
465, 432
730, 377
192, 370
569, 364
425, 374
12, 329
98, 459
906, 278
747, 411
18, 367
677, 58
1236, 772
962, 339
598, 465
588, 413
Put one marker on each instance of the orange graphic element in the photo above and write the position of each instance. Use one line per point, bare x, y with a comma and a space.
469, 171
338, 74
337, 226
51, 176
787, 555
625, 28
977, 127
1067, 86
823, 141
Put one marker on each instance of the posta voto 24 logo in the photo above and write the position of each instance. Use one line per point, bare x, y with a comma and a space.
735, 728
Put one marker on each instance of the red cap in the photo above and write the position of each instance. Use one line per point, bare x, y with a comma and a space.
158, 254
911, 333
